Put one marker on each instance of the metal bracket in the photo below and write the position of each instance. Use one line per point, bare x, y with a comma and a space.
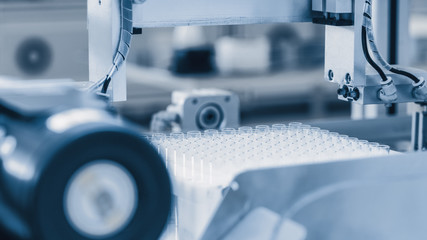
333, 12
380, 197
104, 28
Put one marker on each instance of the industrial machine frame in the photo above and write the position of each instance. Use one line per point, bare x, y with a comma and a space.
345, 65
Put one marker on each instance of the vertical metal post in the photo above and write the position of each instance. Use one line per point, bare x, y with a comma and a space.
399, 37
381, 21
391, 24
103, 27
418, 137
365, 111
403, 35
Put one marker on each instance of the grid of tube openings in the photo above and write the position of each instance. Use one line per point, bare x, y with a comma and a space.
216, 157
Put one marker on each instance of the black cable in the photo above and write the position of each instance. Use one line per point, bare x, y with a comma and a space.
392, 45
106, 83
125, 37
368, 56
107, 79
406, 74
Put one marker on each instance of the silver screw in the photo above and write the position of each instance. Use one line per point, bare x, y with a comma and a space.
348, 78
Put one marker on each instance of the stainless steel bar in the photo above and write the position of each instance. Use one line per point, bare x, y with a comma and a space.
170, 13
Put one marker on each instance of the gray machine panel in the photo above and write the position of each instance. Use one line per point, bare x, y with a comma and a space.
152, 13
378, 198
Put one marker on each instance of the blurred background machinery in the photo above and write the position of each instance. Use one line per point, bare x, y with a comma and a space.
272, 68
201, 109
43, 39
47, 39
226, 175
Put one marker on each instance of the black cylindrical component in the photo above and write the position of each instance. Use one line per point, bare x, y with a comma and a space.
343, 91
71, 169
355, 94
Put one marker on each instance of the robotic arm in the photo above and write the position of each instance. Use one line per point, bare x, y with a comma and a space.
349, 35
125, 36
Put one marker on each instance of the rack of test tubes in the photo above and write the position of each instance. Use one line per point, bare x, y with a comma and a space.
202, 165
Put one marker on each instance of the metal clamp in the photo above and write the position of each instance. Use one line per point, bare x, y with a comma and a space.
388, 91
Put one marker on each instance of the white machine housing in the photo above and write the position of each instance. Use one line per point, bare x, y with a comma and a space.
344, 58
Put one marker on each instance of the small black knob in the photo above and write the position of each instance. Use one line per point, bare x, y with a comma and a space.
355, 94
343, 91
136, 31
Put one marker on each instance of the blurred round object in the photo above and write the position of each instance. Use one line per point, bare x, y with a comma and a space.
34, 56
210, 117
100, 198
73, 169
